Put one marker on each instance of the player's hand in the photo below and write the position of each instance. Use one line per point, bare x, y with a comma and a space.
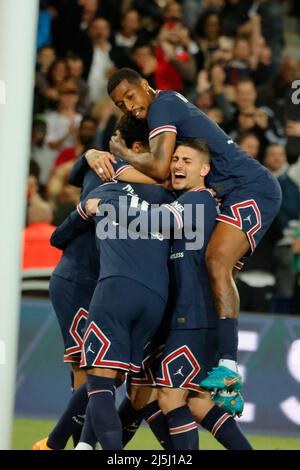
117, 145
91, 206
101, 163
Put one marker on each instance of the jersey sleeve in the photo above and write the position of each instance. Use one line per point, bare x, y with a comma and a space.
162, 117
121, 166
78, 171
75, 224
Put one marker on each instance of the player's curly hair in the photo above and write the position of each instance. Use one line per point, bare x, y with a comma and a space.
123, 74
133, 130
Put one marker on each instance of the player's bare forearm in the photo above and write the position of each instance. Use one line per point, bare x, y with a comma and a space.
146, 163
155, 163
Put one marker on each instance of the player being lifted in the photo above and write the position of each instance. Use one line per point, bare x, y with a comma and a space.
251, 196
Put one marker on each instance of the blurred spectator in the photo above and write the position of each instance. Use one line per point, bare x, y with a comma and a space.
130, 26
277, 95
75, 67
62, 125
85, 140
95, 53
234, 14
176, 65
208, 32
37, 251
106, 115
47, 93
150, 8
248, 116
270, 12
40, 152
145, 62
172, 10
62, 196
250, 143
44, 25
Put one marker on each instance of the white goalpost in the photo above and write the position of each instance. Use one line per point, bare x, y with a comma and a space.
18, 21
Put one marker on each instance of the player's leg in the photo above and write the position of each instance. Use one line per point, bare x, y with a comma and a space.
220, 423
144, 397
102, 407
71, 310
226, 247
129, 416
145, 400
182, 427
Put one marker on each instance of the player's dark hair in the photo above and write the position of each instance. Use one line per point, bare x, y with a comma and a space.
123, 74
133, 130
197, 144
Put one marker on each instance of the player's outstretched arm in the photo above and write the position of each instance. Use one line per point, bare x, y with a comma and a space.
75, 224
155, 163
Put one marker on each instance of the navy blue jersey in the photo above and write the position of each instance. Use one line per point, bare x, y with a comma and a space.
190, 283
191, 219
231, 166
78, 262
142, 259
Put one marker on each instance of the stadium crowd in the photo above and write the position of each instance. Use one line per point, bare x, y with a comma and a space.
226, 56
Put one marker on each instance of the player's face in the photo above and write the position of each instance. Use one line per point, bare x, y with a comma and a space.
188, 169
133, 99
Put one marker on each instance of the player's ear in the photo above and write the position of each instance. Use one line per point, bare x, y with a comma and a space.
145, 84
136, 146
205, 169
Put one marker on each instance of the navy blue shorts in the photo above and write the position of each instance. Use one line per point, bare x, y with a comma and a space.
71, 302
153, 351
187, 357
252, 211
123, 316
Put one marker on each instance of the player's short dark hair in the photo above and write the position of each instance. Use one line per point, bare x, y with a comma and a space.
123, 74
133, 130
197, 144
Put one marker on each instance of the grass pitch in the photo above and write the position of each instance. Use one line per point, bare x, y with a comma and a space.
26, 432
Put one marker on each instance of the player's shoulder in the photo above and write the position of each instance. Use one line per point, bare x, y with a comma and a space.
168, 96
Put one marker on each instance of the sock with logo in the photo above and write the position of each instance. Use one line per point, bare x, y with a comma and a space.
158, 424
225, 429
228, 341
105, 419
71, 421
77, 432
88, 435
130, 419
183, 429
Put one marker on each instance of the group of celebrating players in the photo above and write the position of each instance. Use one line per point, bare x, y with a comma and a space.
145, 290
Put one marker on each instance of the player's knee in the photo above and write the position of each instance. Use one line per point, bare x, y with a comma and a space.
169, 399
163, 400
142, 396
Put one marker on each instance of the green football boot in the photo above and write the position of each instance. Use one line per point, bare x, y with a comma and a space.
222, 378
231, 402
